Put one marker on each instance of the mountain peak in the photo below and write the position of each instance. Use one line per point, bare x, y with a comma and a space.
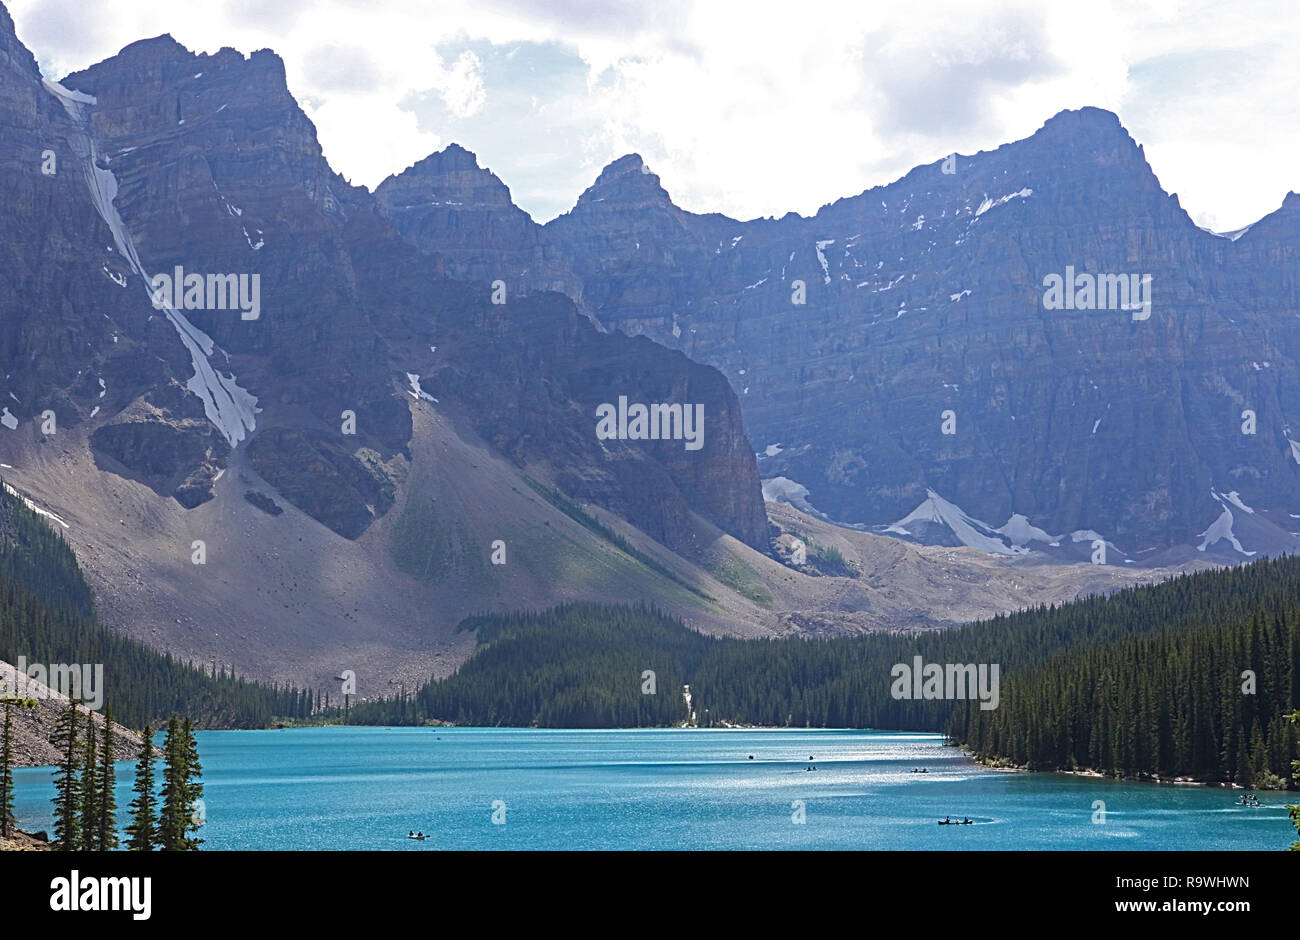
1087, 129
451, 176
451, 159
454, 157
628, 163
159, 48
1090, 148
162, 60
1086, 117
1281, 226
628, 184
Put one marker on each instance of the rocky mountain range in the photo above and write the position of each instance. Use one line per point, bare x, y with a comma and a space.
206, 164
313, 331
295, 427
903, 365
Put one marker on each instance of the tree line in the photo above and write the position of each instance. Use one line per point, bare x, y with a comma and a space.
1145, 680
47, 616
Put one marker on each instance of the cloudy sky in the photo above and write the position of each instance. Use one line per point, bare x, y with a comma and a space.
748, 108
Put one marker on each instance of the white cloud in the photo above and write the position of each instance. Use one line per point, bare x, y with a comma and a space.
754, 108
462, 88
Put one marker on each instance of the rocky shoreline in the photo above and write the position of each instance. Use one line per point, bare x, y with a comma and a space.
1129, 778
33, 728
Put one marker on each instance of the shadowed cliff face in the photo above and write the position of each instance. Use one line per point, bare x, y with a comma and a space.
902, 342
72, 340
447, 204
532, 372
309, 308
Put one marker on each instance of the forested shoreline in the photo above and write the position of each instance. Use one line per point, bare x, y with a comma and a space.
1148, 681
1205, 703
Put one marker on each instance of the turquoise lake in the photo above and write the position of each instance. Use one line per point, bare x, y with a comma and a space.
365, 788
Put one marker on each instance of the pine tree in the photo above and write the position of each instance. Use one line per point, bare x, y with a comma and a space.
1294, 809
106, 803
1245, 775
6, 772
173, 820
143, 830
67, 790
1258, 755
89, 787
193, 789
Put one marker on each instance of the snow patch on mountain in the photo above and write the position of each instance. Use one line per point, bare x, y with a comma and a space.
969, 531
1021, 532
988, 203
416, 391
33, 507
1230, 236
1235, 498
1221, 528
228, 406
785, 490
821, 258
